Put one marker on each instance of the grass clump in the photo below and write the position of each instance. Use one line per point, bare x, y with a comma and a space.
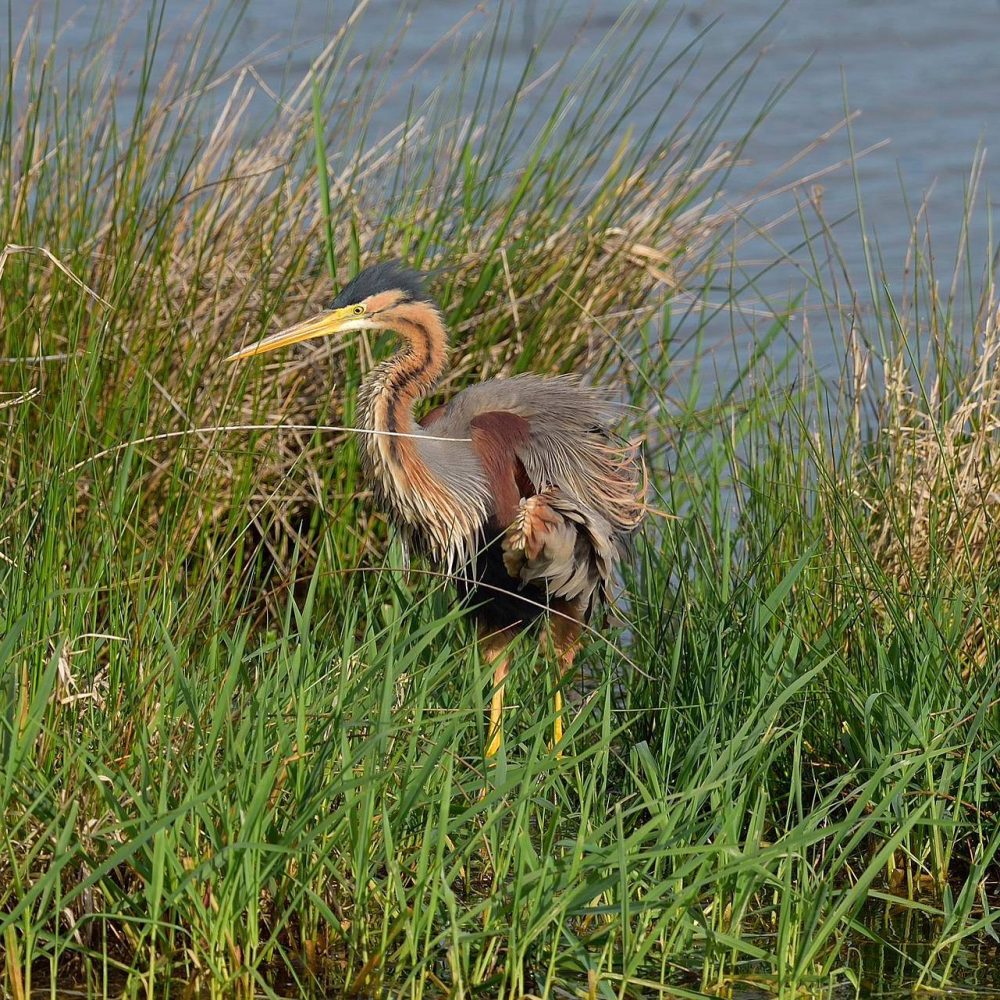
929, 481
241, 751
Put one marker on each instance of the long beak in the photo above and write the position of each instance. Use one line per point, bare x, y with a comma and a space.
319, 326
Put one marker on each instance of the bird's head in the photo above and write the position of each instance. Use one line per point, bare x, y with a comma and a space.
373, 300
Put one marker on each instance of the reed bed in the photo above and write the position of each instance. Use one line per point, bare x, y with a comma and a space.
241, 751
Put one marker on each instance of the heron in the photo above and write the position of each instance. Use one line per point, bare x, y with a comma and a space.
517, 486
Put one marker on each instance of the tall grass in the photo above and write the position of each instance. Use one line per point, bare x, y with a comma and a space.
242, 751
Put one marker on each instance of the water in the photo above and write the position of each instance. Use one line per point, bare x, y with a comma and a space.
925, 76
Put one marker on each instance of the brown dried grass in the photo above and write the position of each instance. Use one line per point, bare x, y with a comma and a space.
927, 486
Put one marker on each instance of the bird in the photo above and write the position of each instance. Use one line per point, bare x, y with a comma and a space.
519, 487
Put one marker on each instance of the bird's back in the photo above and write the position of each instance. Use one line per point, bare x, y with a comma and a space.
561, 431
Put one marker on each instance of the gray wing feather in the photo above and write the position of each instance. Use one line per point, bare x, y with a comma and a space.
571, 445
566, 549
589, 494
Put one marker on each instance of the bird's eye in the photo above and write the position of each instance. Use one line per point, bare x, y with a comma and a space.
359, 309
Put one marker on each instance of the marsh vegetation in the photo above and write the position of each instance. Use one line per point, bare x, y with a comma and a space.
242, 750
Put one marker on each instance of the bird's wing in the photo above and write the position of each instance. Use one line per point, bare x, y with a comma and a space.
554, 543
563, 494
550, 538
559, 430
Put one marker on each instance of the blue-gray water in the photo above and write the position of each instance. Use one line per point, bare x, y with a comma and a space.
924, 74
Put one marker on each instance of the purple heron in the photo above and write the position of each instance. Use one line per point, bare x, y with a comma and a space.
516, 485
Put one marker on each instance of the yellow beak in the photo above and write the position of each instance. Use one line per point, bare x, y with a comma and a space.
319, 326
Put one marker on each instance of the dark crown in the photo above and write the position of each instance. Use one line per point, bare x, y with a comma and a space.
383, 277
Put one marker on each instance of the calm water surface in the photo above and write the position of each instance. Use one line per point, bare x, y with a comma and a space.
924, 74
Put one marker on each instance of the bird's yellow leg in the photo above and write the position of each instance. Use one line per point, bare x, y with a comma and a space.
494, 647
565, 642
495, 733
557, 726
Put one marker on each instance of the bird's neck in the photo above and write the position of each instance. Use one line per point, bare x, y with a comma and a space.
396, 464
412, 479
388, 395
